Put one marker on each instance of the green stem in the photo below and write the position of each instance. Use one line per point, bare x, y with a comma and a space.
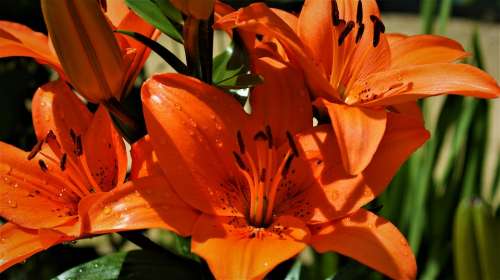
206, 45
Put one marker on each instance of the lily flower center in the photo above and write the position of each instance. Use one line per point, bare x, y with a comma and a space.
263, 172
72, 183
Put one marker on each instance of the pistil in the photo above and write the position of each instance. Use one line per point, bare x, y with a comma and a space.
264, 173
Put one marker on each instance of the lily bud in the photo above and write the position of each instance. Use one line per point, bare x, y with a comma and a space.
199, 9
87, 48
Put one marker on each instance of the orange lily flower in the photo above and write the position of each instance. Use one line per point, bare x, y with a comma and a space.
356, 72
70, 185
99, 64
268, 184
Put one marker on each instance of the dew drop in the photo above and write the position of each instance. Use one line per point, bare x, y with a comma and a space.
12, 203
218, 126
219, 143
212, 117
178, 107
266, 264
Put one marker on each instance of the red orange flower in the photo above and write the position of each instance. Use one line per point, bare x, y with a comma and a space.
268, 184
356, 72
98, 63
71, 184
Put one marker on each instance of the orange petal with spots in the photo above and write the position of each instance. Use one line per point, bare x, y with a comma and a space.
29, 196
194, 139
56, 108
104, 152
333, 193
249, 253
17, 244
148, 202
370, 240
415, 82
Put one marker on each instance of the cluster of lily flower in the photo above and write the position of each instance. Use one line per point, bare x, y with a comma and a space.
256, 188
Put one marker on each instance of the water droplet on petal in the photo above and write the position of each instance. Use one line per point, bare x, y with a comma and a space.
12, 203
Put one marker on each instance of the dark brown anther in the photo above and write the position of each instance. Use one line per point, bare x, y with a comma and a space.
286, 167
359, 13
335, 13
262, 176
72, 134
376, 37
43, 165
36, 149
269, 137
359, 35
348, 28
241, 143
260, 136
78, 146
378, 28
62, 164
291, 143
239, 161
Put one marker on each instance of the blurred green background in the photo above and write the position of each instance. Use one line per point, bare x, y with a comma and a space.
444, 199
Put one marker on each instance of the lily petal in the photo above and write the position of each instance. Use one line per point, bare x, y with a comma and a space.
282, 101
19, 40
194, 139
104, 152
258, 18
116, 11
334, 193
249, 253
18, 243
144, 159
425, 49
94, 64
415, 82
315, 30
56, 108
359, 132
149, 202
24, 186
371, 240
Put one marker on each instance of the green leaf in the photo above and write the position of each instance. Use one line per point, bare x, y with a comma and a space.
488, 239
444, 15
466, 262
427, 9
138, 264
241, 81
163, 52
169, 10
150, 12
233, 61
294, 273
104, 268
